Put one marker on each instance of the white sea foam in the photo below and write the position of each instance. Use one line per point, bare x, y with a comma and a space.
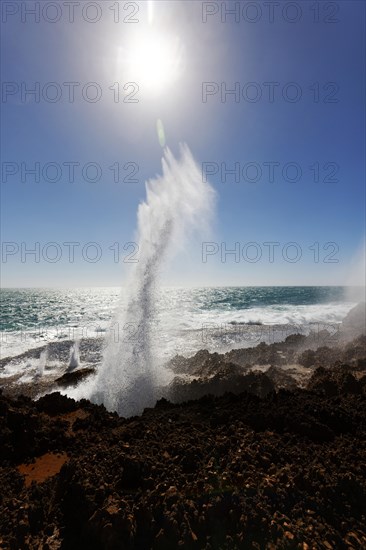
180, 322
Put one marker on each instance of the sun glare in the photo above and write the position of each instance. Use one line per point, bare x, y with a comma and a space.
154, 60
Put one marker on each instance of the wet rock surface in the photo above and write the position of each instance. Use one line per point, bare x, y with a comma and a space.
322, 349
285, 470
264, 368
74, 377
286, 364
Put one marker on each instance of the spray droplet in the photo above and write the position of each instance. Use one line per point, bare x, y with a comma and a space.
160, 132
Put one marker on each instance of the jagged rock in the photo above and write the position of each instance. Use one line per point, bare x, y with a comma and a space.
234, 471
225, 381
74, 377
332, 382
280, 378
252, 468
307, 358
55, 403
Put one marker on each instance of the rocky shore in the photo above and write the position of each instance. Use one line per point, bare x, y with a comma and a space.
238, 471
259, 448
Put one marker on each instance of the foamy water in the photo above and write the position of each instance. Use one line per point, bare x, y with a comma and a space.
184, 321
183, 316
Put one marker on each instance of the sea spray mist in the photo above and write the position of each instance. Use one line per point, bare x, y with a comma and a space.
177, 203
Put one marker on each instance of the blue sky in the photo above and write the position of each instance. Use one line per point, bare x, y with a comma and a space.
322, 54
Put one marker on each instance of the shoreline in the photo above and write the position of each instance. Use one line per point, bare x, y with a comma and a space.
239, 452
284, 364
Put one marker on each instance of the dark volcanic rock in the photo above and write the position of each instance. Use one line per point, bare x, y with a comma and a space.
238, 471
280, 378
296, 349
26, 433
74, 377
225, 380
55, 403
331, 382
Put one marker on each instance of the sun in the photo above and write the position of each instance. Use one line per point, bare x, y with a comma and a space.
154, 60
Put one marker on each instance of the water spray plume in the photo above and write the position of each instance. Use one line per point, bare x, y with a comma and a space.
43, 358
74, 361
177, 203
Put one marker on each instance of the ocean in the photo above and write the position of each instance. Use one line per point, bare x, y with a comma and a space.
185, 320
